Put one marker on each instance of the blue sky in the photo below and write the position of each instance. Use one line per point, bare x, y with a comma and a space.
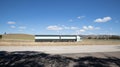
60, 16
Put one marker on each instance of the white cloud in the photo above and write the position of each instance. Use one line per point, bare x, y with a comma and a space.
77, 30
73, 28
90, 27
66, 27
63, 27
12, 27
105, 19
69, 27
85, 27
11, 22
22, 27
54, 27
80, 17
82, 30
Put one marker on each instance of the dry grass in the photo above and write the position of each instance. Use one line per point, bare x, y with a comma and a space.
17, 37
84, 42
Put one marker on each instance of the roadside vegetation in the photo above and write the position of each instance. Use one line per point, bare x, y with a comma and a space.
16, 37
28, 40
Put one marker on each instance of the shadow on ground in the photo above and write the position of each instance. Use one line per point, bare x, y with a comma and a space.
39, 59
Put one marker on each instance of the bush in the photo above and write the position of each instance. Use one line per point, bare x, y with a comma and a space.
0, 36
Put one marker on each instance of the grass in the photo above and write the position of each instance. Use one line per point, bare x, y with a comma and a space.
84, 42
17, 37
100, 42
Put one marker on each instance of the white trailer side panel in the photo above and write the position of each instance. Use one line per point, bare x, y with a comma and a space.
47, 37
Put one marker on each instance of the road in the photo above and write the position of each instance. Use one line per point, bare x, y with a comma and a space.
64, 49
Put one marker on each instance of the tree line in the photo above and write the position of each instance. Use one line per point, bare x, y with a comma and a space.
101, 36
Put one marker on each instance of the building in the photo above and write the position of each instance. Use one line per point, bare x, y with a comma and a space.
57, 38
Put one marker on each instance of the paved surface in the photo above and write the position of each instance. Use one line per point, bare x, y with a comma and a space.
64, 49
